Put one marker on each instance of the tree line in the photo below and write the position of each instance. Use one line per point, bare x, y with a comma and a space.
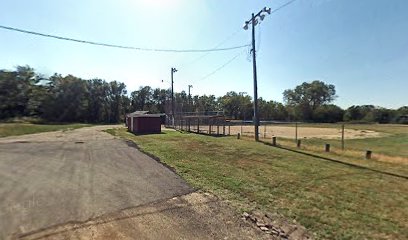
25, 93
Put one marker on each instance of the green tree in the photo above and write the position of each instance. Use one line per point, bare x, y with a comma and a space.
16, 89
67, 99
307, 97
271, 110
159, 100
142, 99
181, 102
401, 115
329, 113
360, 113
98, 90
206, 103
116, 92
237, 106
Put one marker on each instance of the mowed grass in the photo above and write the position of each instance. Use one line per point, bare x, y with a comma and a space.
15, 129
333, 200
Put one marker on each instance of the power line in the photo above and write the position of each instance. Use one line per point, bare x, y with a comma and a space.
121, 46
235, 33
207, 53
282, 6
220, 67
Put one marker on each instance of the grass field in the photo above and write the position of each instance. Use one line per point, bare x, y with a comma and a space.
331, 199
15, 129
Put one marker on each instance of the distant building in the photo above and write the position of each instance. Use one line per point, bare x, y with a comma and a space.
141, 122
136, 113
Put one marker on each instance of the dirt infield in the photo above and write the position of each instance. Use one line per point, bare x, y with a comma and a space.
268, 131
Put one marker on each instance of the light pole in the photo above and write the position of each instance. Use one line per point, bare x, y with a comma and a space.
189, 86
254, 21
189, 97
173, 70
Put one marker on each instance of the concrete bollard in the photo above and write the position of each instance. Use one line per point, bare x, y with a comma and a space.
299, 143
273, 141
327, 148
368, 154
238, 136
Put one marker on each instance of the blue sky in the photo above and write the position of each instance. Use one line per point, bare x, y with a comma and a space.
359, 46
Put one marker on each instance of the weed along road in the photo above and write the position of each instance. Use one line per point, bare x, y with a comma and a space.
85, 184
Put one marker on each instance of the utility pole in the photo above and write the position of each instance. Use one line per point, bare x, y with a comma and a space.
189, 97
256, 118
254, 21
173, 70
189, 86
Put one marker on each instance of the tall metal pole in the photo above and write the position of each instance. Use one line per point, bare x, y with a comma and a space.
172, 96
189, 97
189, 86
256, 119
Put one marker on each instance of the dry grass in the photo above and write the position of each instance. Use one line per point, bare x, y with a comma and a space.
348, 153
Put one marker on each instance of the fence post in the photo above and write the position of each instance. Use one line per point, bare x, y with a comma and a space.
223, 129
241, 128
229, 129
342, 137
189, 125
209, 129
299, 143
218, 129
296, 132
265, 131
368, 154
273, 141
327, 148
238, 136
198, 125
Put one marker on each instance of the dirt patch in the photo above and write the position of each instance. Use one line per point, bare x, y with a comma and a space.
193, 216
305, 132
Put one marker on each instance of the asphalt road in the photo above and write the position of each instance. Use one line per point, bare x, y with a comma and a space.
86, 184
53, 178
